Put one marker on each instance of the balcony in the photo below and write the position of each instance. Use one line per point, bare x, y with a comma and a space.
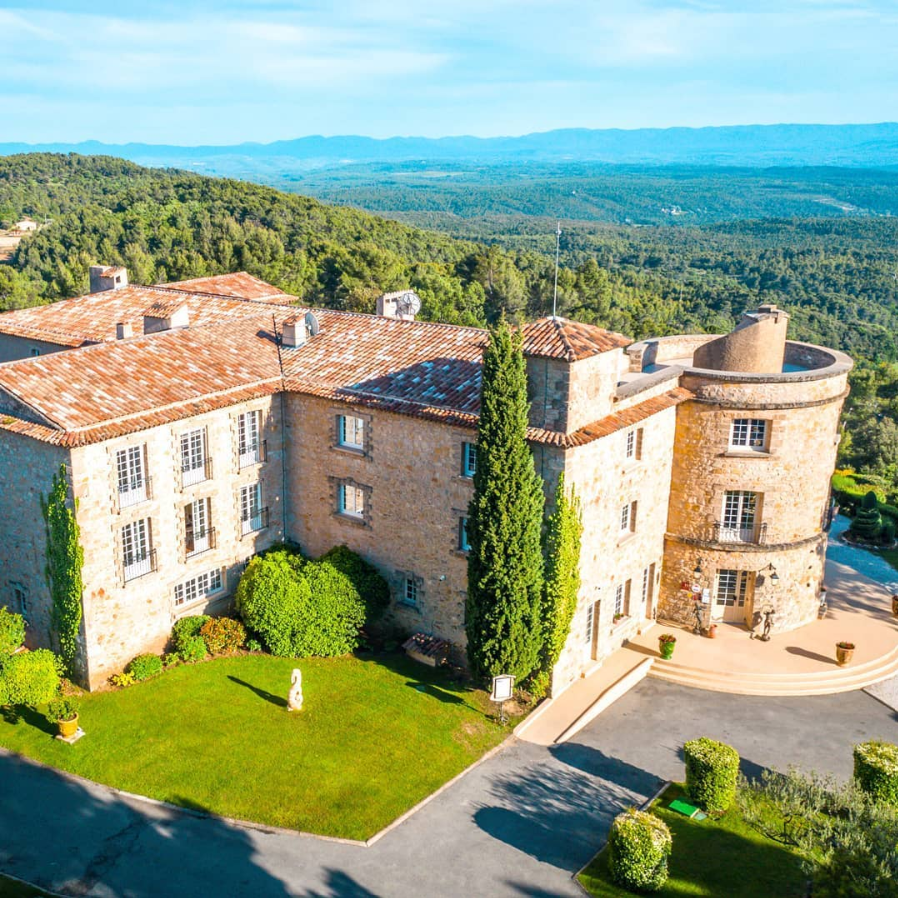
138, 565
755, 535
197, 474
134, 491
258, 520
198, 542
253, 455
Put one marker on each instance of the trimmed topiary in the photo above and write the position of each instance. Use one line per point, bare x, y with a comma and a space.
144, 666
867, 523
712, 769
639, 846
876, 770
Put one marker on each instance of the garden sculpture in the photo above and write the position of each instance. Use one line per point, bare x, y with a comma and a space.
294, 699
699, 619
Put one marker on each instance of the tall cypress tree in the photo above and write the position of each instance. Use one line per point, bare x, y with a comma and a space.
563, 536
505, 564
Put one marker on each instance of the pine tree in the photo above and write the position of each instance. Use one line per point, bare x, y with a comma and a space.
505, 565
563, 534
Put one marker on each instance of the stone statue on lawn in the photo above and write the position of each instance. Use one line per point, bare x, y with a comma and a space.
294, 699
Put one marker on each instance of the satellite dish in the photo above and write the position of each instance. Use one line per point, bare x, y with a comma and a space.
312, 324
409, 303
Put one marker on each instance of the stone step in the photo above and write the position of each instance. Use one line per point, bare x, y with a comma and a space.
841, 680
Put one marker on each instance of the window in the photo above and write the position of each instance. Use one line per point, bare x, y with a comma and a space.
463, 544
249, 446
468, 459
35, 351
132, 480
198, 588
137, 556
731, 588
410, 593
19, 600
252, 516
351, 432
590, 623
351, 500
194, 463
619, 601
749, 434
739, 508
634, 444
646, 584
628, 518
197, 533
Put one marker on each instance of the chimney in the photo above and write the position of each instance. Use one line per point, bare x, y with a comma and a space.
124, 330
295, 332
403, 304
165, 316
104, 278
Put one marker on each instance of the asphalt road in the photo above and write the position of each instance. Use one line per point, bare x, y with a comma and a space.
520, 824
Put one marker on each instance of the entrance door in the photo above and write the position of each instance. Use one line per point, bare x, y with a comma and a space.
730, 596
592, 630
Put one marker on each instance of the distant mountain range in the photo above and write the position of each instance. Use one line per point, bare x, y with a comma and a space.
867, 146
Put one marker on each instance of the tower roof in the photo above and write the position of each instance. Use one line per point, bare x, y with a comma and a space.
570, 341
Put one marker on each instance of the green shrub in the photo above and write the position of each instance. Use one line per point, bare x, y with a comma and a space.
123, 679
867, 523
538, 684
300, 608
187, 627
887, 534
253, 645
193, 648
144, 666
370, 585
62, 709
639, 846
29, 678
171, 659
712, 769
223, 635
876, 770
12, 631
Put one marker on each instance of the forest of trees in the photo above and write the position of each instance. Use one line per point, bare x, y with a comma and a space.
838, 277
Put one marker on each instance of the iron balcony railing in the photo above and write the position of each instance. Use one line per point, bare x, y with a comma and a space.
257, 520
253, 455
138, 565
198, 542
134, 491
197, 474
755, 535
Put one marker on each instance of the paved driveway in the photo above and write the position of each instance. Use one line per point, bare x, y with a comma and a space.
520, 824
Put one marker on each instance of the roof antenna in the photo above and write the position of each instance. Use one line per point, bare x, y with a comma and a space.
557, 245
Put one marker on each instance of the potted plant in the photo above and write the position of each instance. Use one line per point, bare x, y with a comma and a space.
618, 618
712, 631
666, 643
64, 713
844, 653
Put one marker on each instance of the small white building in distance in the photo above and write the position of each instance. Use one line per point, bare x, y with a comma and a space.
25, 226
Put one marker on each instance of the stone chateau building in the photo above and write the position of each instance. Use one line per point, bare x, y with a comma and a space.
202, 421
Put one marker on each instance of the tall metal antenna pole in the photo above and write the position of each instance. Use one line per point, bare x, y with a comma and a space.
557, 246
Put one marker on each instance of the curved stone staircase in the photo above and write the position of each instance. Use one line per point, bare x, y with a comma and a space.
826, 682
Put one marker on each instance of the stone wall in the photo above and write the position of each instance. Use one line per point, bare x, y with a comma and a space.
122, 619
411, 471
13, 348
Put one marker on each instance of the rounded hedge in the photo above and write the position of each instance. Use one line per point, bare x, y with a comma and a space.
371, 586
712, 769
876, 770
639, 846
223, 635
300, 608
29, 678
187, 627
144, 666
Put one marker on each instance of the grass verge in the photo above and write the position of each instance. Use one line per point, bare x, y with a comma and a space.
375, 737
711, 858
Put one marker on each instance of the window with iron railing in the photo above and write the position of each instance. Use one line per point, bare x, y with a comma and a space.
138, 555
196, 466
252, 516
131, 475
739, 523
199, 536
250, 447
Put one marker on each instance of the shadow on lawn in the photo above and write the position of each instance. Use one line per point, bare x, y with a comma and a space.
95, 840
278, 700
558, 808
21, 714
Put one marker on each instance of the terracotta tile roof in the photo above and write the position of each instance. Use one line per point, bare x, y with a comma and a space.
92, 318
238, 284
164, 309
570, 341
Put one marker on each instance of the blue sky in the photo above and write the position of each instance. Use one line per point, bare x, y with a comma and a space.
228, 71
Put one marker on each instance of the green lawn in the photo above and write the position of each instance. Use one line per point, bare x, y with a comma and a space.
712, 858
375, 736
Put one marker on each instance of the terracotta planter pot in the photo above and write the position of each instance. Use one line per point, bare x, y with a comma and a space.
712, 631
68, 728
843, 656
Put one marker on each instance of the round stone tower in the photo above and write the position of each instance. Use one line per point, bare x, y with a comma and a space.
753, 456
